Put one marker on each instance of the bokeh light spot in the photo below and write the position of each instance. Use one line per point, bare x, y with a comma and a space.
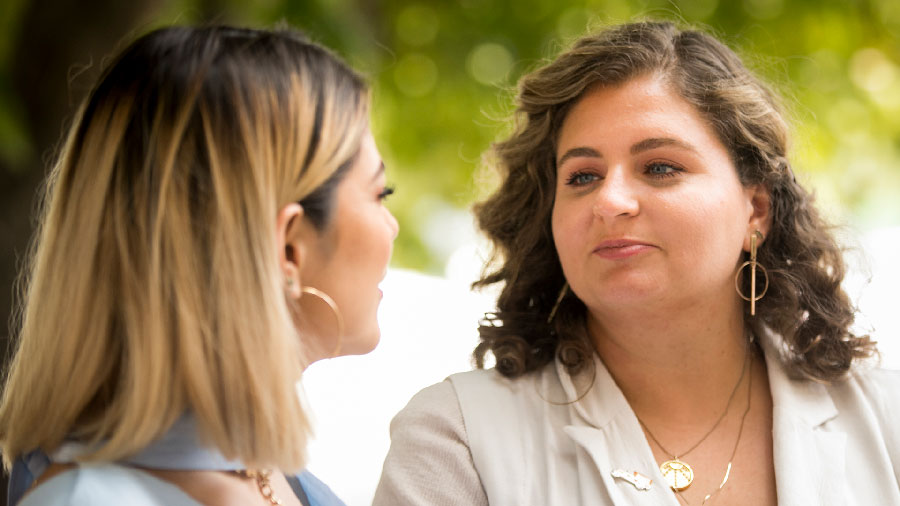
417, 25
415, 74
763, 9
698, 9
489, 63
872, 71
821, 71
572, 23
850, 121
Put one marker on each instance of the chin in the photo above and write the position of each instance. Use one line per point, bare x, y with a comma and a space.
362, 345
623, 297
370, 344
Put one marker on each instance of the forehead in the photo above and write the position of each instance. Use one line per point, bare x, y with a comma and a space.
367, 161
642, 107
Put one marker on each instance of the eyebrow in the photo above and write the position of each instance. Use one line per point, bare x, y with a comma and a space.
579, 152
640, 147
658, 142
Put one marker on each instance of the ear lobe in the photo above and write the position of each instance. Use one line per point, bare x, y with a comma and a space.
761, 212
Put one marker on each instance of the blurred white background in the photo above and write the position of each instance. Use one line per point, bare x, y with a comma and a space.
429, 328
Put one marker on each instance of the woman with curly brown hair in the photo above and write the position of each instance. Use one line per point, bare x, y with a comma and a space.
671, 327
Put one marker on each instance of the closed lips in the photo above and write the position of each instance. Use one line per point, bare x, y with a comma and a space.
619, 243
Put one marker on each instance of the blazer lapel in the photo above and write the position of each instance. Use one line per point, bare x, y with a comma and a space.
809, 458
604, 426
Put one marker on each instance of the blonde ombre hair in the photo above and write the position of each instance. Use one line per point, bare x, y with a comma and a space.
154, 287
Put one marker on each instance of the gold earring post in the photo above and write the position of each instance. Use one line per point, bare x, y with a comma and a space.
753, 273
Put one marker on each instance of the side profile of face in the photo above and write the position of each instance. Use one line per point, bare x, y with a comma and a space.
346, 261
649, 212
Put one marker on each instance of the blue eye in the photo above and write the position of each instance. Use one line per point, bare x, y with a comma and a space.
581, 178
385, 193
661, 170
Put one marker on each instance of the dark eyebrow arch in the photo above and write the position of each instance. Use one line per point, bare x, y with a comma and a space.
658, 142
640, 147
582, 152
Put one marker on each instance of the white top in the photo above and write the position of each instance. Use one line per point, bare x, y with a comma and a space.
479, 438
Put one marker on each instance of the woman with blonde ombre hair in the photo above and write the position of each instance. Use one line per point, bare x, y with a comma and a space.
213, 225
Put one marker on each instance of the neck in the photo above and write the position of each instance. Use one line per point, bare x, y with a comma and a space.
683, 368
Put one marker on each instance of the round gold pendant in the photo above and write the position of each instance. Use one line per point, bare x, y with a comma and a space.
677, 474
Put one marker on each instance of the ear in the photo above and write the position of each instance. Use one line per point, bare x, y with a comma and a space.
291, 247
760, 202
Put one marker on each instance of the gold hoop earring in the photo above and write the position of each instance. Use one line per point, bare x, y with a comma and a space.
562, 293
753, 265
334, 309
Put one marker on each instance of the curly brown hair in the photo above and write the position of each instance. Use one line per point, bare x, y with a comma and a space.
804, 303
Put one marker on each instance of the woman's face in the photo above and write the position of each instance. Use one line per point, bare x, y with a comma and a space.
649, 213
349, 259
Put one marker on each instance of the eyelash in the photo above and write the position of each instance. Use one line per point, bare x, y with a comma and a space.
386, 192
573, 179
673, 173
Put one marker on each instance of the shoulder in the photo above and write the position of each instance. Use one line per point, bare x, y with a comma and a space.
429, 461
879, 381
873, 385
447, 402
486, 381
464, 402
432, 416
482, 383
106, 484
318, 493
438, 400
867, 403
873, 388
488, 397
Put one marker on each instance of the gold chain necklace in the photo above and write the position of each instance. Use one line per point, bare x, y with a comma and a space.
733, 450
678, 473
263, 481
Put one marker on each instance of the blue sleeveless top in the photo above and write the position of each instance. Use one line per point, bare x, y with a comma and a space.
179, 448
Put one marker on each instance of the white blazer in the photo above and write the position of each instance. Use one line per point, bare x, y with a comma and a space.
833, 444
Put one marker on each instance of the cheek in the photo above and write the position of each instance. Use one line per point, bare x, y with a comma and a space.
363, 252
366, 246
702, 230
376, 247
566, 227
557, 227
389, 230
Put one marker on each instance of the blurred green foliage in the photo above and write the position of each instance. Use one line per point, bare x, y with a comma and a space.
444, 75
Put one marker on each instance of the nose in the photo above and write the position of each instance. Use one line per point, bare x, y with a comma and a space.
393, 224
616, 196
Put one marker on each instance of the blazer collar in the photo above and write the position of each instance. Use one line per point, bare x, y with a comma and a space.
809, 456
604, 425
594, 394
803, 401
